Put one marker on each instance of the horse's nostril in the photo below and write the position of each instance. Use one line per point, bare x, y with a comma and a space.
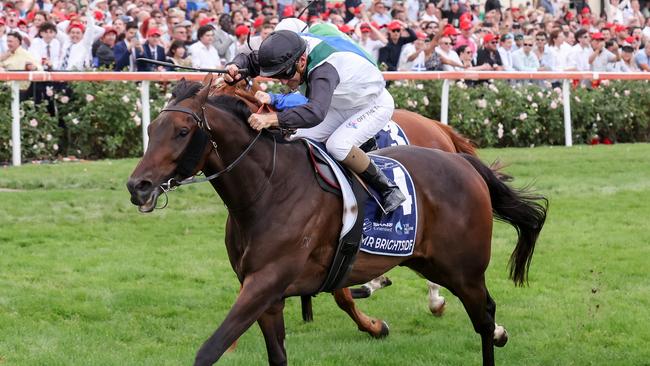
143, 185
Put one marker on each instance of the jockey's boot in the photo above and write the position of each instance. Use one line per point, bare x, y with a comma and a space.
391, 195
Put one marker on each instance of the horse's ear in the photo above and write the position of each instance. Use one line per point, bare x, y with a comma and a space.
207, 79
202, 95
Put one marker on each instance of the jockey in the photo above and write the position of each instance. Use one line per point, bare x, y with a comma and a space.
347, 100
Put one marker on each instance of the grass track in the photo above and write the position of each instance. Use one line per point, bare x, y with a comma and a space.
86, 280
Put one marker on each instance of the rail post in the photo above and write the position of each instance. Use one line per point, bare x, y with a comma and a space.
444, 102
15, 123
566, 96
146, 116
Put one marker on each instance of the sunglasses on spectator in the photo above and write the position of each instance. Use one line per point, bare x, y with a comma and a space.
528, 45
445, 43
468, 52
493, 42
396, 30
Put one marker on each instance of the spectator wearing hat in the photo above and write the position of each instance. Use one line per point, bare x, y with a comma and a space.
241, 35
465, 38
412, 54
389, 54
125, 50
358, 17
626, 63
152, 50
105, 54
600, 58
76, 54
524, 59
370, 38
46, 47
621, 33
505, 51
446, 52
203, 53
488, 54
493, 5
579, 56
177, 54
642, 57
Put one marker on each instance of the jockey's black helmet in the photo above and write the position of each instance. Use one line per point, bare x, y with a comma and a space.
279, 52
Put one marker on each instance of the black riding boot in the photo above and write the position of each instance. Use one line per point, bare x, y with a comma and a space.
391, 196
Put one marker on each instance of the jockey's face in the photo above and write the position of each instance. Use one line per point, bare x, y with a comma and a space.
296, 79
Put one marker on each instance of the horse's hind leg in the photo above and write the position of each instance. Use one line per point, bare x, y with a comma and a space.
271, 323
436, 302
474, 296
375, 327
500, 333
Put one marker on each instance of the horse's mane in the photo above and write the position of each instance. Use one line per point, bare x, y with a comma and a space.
186, 89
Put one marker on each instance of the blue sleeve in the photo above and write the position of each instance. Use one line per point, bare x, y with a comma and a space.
287, 101
641, 58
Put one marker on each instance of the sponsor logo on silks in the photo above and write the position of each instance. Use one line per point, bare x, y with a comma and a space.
367, 225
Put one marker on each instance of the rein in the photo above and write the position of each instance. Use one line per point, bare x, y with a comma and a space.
173, 184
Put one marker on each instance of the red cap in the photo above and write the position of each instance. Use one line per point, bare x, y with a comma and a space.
345, 28
324, 15
585, 10
489, 38
450, 31
597, 35
365, 28
466, 17
206, 21
620, 28
76, 25
2, 21
514, 9
108, 30
241, 30
466, 25
630, 40
609, 25
22, 21
421, 35
72, 16
585, 21
313, 18
154, 32
288, 11
357, 10
258, 22
394, 25
376, 25
569, 16
99, 16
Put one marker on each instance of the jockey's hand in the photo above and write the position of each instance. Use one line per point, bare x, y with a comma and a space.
259, 121
232, 74
263, 97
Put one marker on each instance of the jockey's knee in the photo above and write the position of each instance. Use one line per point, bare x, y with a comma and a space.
338, 149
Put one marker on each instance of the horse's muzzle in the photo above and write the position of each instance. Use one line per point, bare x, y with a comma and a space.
143, 194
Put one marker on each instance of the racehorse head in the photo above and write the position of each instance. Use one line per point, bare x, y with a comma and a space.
177, 147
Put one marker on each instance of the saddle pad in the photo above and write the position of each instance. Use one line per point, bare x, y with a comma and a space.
392, 234
391, 135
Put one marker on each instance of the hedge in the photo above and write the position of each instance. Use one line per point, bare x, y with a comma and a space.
102, 120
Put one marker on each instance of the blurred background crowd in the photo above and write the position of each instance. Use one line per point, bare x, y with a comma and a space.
409, 35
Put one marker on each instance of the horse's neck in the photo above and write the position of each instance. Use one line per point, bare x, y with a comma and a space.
247, 184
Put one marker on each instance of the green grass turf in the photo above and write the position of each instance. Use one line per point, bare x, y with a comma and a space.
87, 280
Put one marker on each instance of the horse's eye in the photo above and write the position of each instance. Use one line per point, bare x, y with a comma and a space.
184, 132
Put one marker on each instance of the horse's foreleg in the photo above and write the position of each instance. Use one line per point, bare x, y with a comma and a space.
375, 327
258, 292
369, 287
271, 323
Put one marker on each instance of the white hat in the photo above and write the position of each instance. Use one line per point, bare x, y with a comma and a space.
292, 24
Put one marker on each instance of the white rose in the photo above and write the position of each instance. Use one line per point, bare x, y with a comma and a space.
425, 100
55, 147
89, 98
523, 116
64, 99
75, 121
126, 99
553, 105
33, 122
500, 131
48, 137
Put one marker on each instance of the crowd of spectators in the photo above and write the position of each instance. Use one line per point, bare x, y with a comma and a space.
400, 35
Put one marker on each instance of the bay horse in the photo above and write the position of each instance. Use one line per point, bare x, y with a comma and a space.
282, 228
420, 131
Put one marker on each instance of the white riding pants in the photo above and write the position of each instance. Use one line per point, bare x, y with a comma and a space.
342, 129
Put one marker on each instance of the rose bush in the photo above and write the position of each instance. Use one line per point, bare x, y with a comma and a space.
103, 120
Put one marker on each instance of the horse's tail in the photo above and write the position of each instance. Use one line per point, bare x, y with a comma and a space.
521, 209
461, 143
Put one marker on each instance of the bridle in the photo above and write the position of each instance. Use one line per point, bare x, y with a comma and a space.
190, 158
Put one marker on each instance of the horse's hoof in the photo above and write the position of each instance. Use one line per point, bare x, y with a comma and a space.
386, 282
438, 308
500, 336
360, 292
383, 333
